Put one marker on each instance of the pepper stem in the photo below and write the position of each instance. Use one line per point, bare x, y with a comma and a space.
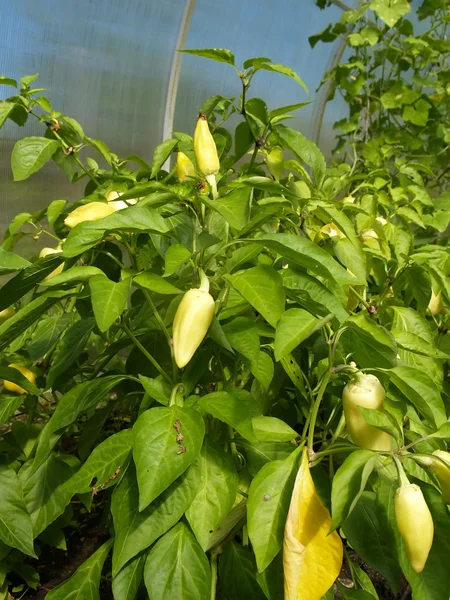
401, 473
204, 282
211, 179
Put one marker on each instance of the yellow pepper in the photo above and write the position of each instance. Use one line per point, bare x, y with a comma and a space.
118, 204
312, 558
435, 305
94, 211
366, 391
414, 523
185, 168
191, 322
441, 469
13, 387
205, 148
47, 252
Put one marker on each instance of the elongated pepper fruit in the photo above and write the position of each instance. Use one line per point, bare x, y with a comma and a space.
94, 211
6, 313
185, 168
414, 523
366, 391
205, 148
192, 321
13, 387
435, 305
441, 468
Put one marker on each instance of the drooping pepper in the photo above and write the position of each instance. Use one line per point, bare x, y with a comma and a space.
185, 168
47, 252
206, 153
366, 391
441, 468
94, 211
13, 387
312, 557
116, 204
192, 321
415, 523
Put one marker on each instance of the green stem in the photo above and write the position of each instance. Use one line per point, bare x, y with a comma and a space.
315, 409
213, 561
360, 298
401, 473
163, 329
147, 354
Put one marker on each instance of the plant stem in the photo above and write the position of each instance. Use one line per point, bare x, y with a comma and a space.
163, 329
147, 354
315, 409
213, 561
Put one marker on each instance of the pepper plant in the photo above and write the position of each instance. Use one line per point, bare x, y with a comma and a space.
314, 388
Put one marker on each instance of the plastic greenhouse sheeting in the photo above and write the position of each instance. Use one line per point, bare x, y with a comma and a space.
113, 65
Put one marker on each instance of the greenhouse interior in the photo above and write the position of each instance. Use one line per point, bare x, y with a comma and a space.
225, 300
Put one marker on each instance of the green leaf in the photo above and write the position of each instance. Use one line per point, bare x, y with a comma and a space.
417, 114
71, 405
234, 409
215, 495
134, 219
126, 583
69, 348
268, 505
7, 81
234, 207
237, 568
30, 154
349, 483
383, 421
54, 209
362, 528
73, 275
175, 256
369, 344
109, 299
307, 254
294, 327
157, 451
23, 282
23, 318
27, 79
10, 262
155, 283
177, 567
276, 68
262, 287
135, 531
390, 11
304, 149
6, 109
271, 429
312, 294
9, 403
161, 154
157, 388
421, 391
16, 529
217, 54
84, 584
15, 376
242, 335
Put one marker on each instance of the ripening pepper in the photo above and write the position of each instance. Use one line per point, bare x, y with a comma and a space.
442, 472
191, 322
414, 523
205, 148
312, 556
6, 313
13, 387
366, 391
275, 162
94, 211
435, 305
185, 168
47, 252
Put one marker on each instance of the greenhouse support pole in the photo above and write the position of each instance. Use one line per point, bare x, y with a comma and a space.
175, 71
